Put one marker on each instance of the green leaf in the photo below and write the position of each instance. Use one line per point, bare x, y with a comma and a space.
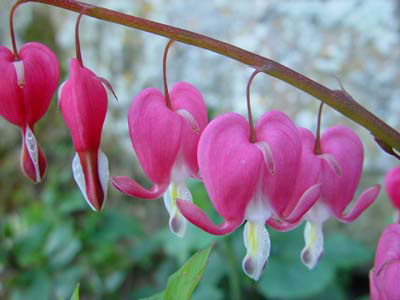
75, 295
182, 283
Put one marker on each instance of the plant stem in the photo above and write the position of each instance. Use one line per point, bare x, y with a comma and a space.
166, 93
339, 100
317, 147
234, 282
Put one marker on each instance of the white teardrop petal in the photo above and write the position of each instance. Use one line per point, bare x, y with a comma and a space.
33, 151
314, 247
257, 243
267, 155
79, 177
19, 70
189, 118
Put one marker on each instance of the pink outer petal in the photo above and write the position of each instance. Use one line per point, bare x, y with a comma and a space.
384, 280
281, 226
94, 190
196, 216
229, 164
42, 73
308, 176
392, 186
366, 199
306, 201
338, 191
155, 133
282, 136
185, 96
11, 96
132, 188
83, 105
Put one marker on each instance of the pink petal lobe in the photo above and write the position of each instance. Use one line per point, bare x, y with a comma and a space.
229, 164
366, 198
281, 225
392, 186
187, 102
345, 146
11, 97
41, 76
196, 216
131, 188
155, 133
282, 136
384, 277
83, 105
306, 201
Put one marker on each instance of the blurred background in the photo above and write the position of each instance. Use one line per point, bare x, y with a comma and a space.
50, 239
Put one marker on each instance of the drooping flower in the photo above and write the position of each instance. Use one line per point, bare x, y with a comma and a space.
83, 105
341, 160
392, 185
27, 84
384, 277
165, 141
250, 180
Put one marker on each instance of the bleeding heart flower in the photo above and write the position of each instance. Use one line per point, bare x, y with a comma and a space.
392, 185
341, 160
165, 141
83, 104
250, 180
384, 277
27, 84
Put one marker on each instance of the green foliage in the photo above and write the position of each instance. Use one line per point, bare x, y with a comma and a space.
75, 295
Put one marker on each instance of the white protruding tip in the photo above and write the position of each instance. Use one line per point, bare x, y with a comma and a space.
257, 242
177, 222
59, 93
314, 247
33, 151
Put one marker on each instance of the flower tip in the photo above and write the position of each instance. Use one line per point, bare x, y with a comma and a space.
177, 225
33, 161
250, 268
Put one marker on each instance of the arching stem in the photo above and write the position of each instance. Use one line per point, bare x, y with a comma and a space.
77, 42
250, 116
12, 34
166, 94
317, 147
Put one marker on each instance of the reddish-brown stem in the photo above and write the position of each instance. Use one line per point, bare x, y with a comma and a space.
317, 147
337, 99
166, 94
12, 34
252, 131
77, 42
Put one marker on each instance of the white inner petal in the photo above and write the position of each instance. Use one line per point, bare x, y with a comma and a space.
267, 155
258, 209
19, 69
179, 172
104, 173
257, 243
189, 118
314, 247
59, 93
177, 222
31, 145
79, 177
